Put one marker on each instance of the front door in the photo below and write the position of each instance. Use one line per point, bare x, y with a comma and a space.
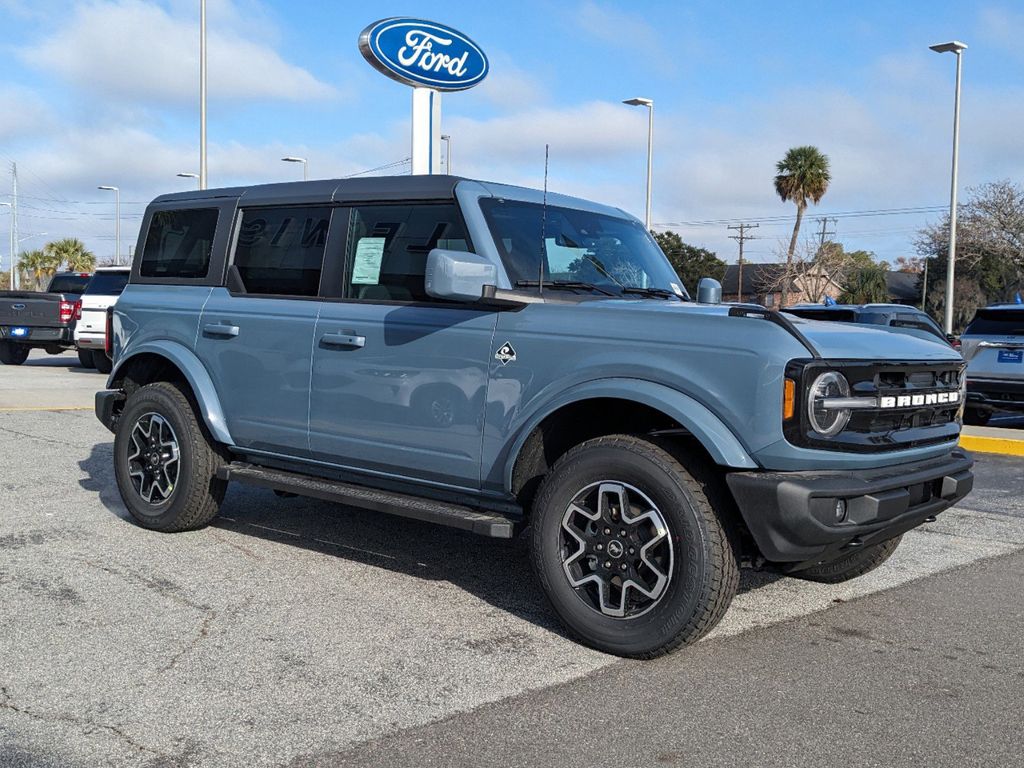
256, 336
399, 379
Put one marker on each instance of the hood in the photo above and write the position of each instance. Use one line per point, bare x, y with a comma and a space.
865, 342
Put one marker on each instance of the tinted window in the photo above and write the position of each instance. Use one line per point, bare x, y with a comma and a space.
576, 245
281, 250
68, 284
108, 283
920, 322
179, 243
997, 322
388, 246
837, 315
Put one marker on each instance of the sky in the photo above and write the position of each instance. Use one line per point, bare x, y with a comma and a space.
106, 92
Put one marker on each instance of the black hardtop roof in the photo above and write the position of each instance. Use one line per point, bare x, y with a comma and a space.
432, 187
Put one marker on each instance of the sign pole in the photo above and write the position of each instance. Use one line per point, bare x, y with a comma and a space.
426, 131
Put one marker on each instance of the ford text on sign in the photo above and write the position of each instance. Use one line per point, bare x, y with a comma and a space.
423, 53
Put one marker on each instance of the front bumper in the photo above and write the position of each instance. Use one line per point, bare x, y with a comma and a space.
792, 515
992, 394
108, 407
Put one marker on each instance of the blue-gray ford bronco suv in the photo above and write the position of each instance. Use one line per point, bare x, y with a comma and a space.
496, 359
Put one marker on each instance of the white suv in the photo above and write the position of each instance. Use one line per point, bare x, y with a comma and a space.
993, 345
91, 326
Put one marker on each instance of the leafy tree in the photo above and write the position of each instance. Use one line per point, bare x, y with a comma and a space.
71, 253
989, 252
690, 262
802, 175
39, 266
5, 281
865, 285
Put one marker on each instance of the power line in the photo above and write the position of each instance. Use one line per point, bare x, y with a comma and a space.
741, 238
785, 219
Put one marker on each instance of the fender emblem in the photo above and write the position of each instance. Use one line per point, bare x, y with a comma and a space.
506, 354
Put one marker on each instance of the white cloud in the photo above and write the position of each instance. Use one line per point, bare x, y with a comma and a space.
24, 114
622, 30
138, 51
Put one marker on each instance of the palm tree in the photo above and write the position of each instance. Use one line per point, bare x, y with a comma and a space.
803, 174
72, 252
866, 285
39, 265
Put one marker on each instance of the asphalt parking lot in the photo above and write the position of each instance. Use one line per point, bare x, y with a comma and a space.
295, 632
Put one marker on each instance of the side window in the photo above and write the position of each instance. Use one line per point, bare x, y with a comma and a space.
281, 250
179, 243
388, 245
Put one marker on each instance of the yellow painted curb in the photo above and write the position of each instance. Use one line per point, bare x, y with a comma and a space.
48, 408
992, 445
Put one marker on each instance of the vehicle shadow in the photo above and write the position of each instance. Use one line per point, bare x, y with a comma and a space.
496, 571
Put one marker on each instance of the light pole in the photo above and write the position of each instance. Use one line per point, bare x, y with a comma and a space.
189, 176
958, 48
649, 103
202, 94
305, 165
447, 153
117, 222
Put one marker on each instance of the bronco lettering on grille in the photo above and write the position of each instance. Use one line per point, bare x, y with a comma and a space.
911, 401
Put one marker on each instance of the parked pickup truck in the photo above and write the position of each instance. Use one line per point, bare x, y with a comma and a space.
91, 326
499, 359
30, 319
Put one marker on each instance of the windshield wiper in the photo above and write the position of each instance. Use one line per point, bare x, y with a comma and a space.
564, 285
661, 293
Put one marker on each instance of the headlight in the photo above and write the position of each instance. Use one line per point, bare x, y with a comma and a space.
828, 418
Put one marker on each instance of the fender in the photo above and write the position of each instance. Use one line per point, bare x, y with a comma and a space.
197, 376
719, 441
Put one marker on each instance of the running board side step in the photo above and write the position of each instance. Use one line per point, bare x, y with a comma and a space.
429, 510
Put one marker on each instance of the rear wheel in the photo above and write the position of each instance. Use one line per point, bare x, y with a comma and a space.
165, 461
85, 358
13, 354
855, 564
103, 363
629, 550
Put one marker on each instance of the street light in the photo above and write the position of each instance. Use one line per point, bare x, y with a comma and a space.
305, 165
447, 153
202, 94
958, 48
117, 221
189, 176
649, 103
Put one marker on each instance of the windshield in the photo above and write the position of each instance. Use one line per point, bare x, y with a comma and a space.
614, 254
68, 283
108, 283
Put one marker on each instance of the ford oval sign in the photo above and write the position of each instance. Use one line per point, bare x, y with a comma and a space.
423, 53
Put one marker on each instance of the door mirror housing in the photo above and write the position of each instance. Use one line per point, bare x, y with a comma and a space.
458, 275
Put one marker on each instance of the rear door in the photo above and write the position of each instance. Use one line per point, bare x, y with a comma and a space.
993, 344
256, 334
399, 379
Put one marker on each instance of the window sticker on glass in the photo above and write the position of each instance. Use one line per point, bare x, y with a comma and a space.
369, 254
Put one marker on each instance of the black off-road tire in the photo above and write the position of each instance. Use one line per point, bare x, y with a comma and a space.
855, 564
13, 354
977, 417
196, 496
85, 358
102, 363
704, 574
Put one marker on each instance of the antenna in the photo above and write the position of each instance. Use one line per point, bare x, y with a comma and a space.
543, 227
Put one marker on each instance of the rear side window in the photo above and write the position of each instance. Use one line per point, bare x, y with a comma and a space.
108, 283
69, 284
388, 246
836, 315
179, 243
920, 322
997, 322
280, 251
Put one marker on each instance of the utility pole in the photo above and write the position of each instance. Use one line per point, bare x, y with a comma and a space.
824, 220
202, 94
14, 228
741, 238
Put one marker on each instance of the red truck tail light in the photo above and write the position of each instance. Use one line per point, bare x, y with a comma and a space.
68, 310
108, 340
78, 310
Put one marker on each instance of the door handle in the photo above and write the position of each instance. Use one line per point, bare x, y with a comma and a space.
343, 339
220, 329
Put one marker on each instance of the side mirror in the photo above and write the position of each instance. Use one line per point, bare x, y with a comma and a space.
709, 291
458, 275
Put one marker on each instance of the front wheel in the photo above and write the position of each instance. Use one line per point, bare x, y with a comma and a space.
850, 566
13, 354
165, 461
629, 550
